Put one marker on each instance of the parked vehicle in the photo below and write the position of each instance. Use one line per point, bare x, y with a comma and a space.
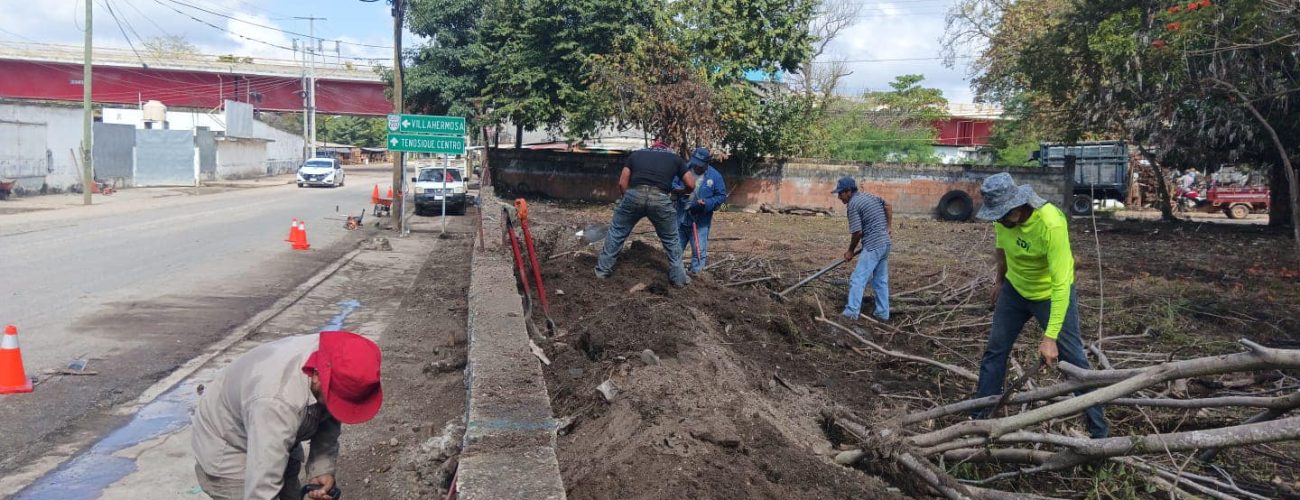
321, 172
436, 185
1100, 170
1235, 202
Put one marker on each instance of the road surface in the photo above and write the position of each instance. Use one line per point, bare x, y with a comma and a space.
142, 283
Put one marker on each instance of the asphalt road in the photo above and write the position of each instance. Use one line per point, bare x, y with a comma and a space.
143, 283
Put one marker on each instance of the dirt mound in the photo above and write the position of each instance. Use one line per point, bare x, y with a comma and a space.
727, 406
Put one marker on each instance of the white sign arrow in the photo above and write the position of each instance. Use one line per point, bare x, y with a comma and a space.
393, 141
406, 123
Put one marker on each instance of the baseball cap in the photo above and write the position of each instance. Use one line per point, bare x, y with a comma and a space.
845, 184
348, 366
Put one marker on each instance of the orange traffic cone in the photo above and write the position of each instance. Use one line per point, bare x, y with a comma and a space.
390, 192
13, 379
301, 243
293, 231
374, 195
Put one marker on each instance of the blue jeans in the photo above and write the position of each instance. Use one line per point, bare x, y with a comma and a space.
872, 265
699, 256
643, 202
1009, 316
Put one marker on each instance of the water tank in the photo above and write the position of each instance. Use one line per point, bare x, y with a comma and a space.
155, 111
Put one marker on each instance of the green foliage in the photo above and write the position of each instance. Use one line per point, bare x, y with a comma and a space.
730, 37
887, 126
368, 132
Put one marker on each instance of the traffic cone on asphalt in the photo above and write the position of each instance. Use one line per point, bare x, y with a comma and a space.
390, 192
13, 379
293, 230
374, 195
301, 242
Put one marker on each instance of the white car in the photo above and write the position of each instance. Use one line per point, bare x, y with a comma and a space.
435, 186
321, 172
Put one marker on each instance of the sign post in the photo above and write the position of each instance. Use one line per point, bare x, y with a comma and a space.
438, 135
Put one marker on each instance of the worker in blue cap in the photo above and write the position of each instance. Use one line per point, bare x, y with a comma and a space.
695, 208
870, 219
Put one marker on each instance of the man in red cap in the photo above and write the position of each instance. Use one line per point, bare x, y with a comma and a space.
251, 420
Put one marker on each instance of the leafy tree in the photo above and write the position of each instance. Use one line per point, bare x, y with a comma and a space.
353, 130
894, 125
730, 37
443, 78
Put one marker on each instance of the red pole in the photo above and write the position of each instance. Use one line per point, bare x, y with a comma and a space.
532, 253
519, 260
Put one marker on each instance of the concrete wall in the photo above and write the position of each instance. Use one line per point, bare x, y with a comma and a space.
284, 152
911, 189
240, 158
509, 443
36, 164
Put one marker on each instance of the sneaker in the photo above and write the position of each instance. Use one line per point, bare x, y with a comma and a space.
682, 284
601, 275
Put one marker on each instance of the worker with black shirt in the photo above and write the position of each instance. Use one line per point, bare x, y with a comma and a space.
646, 184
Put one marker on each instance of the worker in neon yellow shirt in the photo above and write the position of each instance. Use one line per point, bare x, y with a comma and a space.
1035, 279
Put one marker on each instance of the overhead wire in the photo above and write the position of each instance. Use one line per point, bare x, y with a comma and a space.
274, 28
129, 43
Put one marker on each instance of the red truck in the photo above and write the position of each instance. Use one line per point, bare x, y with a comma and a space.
1236, 202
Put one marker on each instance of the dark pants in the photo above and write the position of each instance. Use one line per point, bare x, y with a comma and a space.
1009, 317
644, 202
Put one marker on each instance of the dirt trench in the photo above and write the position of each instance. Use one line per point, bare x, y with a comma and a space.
718, 389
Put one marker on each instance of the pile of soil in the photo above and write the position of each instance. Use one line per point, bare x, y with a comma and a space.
718, 389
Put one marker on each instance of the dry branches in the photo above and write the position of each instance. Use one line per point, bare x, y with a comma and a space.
1026, 438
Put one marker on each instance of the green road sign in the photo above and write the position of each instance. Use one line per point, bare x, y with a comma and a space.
432, 144
426, 124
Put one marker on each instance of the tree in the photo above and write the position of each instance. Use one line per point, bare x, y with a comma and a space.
443, 76
354, 130
822, 77
731, 37
894, 125
169, 47
1215, 79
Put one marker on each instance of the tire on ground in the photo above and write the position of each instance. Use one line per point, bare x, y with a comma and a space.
1238, 211
956, 205
1081, 205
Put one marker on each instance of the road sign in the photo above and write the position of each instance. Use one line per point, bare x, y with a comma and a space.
432, 144
426, 124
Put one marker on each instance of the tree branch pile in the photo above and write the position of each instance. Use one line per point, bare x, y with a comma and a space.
917, 448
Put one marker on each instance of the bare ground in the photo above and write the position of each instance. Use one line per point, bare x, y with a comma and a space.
409, 449
731, 408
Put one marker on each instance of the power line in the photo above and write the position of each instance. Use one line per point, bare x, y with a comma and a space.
147, 18
274, 28
129, 43
263, 42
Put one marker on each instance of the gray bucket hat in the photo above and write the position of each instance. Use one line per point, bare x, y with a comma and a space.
1001, 195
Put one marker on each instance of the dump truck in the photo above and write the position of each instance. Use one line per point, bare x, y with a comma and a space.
1101, 170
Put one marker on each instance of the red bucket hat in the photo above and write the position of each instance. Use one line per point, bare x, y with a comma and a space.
348, 365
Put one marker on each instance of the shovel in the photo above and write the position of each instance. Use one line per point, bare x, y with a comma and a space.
781, 295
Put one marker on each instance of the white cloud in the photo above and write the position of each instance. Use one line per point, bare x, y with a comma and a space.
898, 30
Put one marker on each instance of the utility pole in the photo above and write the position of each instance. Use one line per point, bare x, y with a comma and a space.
309, 126
88, 118
399, 163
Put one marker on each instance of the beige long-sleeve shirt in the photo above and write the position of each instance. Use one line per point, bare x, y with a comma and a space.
256, 411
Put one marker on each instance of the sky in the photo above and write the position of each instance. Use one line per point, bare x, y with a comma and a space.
897, 29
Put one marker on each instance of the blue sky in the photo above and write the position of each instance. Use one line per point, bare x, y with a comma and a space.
892, 30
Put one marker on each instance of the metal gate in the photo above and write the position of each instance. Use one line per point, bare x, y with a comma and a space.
165, 158
112, 152
206, 141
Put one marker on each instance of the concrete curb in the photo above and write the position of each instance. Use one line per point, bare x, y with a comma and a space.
509, 445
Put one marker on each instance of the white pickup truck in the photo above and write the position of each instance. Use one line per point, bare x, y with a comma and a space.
434, 185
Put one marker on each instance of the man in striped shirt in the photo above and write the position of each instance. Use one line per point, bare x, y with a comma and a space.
870, 218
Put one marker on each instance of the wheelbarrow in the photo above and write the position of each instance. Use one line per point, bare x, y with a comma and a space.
382, 206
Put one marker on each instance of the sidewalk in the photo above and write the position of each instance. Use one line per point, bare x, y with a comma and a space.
150, 456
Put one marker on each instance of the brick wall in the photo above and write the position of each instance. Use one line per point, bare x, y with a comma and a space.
911, 189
